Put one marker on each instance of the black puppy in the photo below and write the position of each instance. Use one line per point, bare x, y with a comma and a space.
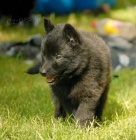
77, 66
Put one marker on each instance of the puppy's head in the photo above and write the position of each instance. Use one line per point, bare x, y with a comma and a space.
60, 52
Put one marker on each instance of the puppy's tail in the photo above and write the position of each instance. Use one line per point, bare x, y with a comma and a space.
34, 70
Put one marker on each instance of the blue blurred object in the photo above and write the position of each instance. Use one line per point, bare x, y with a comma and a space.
67, 6
92, 4
54, 6
87, 4
41, 6
61, 6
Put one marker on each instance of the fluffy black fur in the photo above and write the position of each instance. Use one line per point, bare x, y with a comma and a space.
77, 66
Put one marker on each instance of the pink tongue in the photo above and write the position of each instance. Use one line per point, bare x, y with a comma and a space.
50, 79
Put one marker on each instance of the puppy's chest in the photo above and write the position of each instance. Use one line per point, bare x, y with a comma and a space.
62, 94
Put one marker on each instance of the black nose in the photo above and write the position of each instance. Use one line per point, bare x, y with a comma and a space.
43, 72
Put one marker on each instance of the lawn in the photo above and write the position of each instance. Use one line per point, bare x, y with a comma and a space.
26, 108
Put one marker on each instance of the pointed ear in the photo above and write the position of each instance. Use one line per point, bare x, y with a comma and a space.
48, 25
71, 34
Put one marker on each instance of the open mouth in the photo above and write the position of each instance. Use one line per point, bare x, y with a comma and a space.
50, 79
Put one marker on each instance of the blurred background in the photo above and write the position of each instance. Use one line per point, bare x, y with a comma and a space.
21, 26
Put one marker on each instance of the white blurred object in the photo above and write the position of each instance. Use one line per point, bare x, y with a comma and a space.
124, 60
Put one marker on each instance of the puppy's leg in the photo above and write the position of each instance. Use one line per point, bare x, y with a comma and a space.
85, 114
101, 104
59, 111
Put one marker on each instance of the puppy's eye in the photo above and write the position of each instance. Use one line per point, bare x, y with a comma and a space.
58, 57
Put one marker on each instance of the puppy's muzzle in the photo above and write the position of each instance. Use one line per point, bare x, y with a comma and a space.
43, 72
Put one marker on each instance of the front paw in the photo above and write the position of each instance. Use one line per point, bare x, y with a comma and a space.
86, 123
58, 115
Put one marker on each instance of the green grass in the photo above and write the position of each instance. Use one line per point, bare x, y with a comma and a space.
26, 108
